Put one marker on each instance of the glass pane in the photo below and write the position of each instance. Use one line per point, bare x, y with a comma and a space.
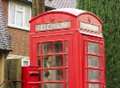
12, 12
53, 61
53, 85
47, 47
93, 61
19, 18
53, 75
93, 85
54, 47
93, 48
58, 46
93, 75
27, 15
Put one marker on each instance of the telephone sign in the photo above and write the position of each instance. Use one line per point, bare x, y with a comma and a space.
66, 51
52, 26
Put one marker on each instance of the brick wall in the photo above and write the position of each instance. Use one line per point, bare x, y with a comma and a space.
5, 7
19, 41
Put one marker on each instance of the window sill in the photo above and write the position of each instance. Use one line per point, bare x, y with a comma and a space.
20, 28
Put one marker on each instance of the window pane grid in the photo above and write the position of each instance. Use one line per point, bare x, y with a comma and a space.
53, 66
19, 15
93, 65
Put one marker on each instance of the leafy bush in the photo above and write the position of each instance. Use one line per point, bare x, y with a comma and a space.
109, 12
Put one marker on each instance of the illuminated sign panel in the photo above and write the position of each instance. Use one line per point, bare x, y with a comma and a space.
52, 26
89, 27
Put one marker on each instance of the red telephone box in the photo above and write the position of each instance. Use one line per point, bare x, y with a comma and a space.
66, 51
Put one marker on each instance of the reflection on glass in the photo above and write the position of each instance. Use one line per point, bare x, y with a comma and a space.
53, 57
54, 47
93, 61
52, 61
53, 75
47, 47
53, 85
93, 75
19, 18
93, 48
58, 46
91, 85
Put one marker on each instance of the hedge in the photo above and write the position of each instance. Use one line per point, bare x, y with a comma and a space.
109, 12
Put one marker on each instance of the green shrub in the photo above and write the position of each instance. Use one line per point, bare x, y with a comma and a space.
109, 12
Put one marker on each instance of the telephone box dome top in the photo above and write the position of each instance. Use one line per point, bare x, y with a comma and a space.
68, 18
72, 11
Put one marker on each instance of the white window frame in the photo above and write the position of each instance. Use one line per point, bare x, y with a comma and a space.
10, 24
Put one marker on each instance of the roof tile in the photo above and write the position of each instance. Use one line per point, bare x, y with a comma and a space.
4, 36
60, 3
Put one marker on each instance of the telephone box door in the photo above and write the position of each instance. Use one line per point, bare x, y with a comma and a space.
51, 56
94, 62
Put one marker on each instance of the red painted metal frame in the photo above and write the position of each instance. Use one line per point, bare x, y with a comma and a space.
77, 63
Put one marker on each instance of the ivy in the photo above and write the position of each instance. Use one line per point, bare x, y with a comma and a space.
109, 12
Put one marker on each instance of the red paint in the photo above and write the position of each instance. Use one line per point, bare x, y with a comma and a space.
75, 68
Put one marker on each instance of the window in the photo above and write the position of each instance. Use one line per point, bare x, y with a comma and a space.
52, 59
93, 75
93, 61
93, 51
93, 48
93, 65
19, 15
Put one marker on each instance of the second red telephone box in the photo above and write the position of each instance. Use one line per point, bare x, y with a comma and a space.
66, 51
